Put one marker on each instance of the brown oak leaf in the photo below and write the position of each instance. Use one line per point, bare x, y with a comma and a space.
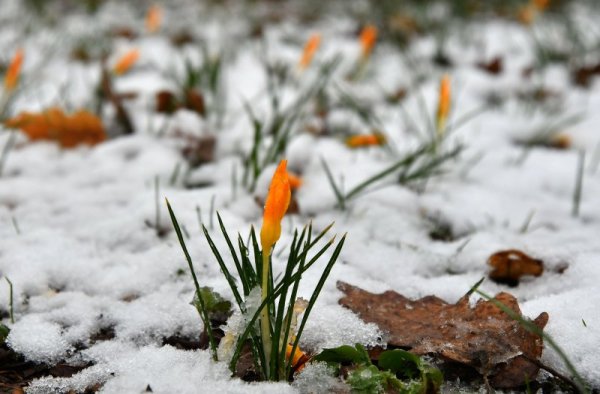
482, 337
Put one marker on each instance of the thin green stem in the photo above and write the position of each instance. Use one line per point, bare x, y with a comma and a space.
578, 184
10, 300
6, 150
265, 330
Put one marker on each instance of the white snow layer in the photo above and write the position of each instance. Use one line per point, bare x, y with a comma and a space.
78, 242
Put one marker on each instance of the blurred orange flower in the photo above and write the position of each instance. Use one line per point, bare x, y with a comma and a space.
444, 102
82, 127
368, 37
126, 61
153, 19
295, 180
530, 11
359, 141
276, 205
310, 48
11, 79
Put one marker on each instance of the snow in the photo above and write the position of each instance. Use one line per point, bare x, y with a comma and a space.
87, 257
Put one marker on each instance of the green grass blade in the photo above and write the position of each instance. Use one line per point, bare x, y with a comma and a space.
338, 194
234, 256
391, 169
224, 269
203, 312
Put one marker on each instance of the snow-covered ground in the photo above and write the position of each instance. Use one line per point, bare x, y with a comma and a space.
74, 233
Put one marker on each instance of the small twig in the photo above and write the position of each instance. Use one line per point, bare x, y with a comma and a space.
6, 150
578, 184
175, 174
15, 225
10, 300
234, 182
212, 212
527, 222
595, 161
199, 214
157, 204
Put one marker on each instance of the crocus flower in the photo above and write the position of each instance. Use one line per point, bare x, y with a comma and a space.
11, 79
153, 19
276, 205
310, 48
363, 140
126, 61
368, 36
443, 104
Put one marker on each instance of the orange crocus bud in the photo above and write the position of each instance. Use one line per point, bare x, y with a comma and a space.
295, 181
310, 48
363, 140
14, 70
443, 104
299, 360
368, 36
276, 205
126, 61
153, 19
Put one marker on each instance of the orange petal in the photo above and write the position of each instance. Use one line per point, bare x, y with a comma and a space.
299, 360
295, 181
310, 48
14, 70
368, 36
443, 103
153, 19
276, 205
358, 141
126, 61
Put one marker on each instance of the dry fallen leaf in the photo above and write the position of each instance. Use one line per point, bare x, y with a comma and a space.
494, 66
167, 102
200, 150
583, 76
508, 266
481, 337
81, 127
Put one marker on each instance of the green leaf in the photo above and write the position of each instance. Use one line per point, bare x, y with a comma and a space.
423, 378
213, 302
369, 379
344, 354
433, 378
401, 362
4, 331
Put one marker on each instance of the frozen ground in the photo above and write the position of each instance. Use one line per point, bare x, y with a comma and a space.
84, 259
